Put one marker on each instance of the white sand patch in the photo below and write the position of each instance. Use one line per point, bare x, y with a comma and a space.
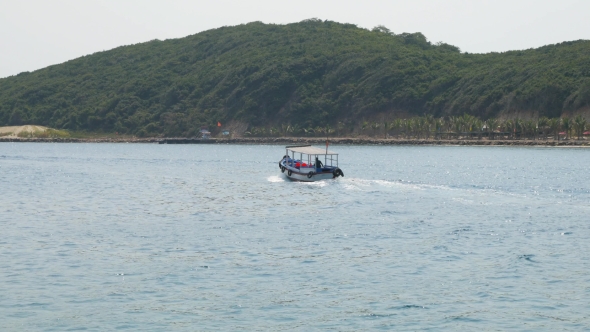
13, 131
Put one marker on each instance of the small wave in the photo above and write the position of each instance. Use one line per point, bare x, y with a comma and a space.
321, 183
408, 306
275, 178
463, 201
435, 186
278, 178
528, 258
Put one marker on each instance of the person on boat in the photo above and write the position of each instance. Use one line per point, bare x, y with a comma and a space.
318, 163
288, 160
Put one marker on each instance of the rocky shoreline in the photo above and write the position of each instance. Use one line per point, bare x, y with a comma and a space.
306, 140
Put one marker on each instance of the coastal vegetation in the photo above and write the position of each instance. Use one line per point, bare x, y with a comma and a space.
310, 78
428, 127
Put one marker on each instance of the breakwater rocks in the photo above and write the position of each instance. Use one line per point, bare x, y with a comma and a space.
307, 140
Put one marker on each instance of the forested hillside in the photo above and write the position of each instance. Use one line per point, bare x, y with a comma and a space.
307, 74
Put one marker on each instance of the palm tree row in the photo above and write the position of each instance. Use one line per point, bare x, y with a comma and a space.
427, 127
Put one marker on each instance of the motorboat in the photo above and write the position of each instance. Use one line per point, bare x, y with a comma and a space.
308, 163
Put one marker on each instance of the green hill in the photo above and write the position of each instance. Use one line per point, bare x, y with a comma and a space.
312, 73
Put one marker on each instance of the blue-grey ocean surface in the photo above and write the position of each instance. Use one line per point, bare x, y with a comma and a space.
211, 237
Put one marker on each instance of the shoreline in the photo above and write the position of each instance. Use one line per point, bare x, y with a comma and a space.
307, 140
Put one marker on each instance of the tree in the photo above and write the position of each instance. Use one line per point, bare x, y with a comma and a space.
508, 126
516, 126
339, 128
477, 127
422, 127
554, 128
364, 126
399, 125
579, 126
386, 128
428, 124
16, 119
543, 125
458, 125
285, 129
439, 123
409, 127
375, 126
319, 131
328, 130
566, 125
383, 29
491, 126
295, 129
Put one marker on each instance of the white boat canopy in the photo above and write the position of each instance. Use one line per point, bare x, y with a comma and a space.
310, 150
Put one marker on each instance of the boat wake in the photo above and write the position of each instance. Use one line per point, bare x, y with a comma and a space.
321, 183
364, 184
275, 178
466, 196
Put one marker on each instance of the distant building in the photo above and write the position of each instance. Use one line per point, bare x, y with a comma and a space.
205, 133
225, 133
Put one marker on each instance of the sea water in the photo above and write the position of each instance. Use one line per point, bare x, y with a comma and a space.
213, 237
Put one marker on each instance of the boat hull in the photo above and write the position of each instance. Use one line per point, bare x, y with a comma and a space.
305, 177
309, 174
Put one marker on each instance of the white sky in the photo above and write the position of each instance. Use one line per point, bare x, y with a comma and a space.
38, 33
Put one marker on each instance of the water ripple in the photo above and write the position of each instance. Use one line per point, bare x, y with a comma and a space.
149, 237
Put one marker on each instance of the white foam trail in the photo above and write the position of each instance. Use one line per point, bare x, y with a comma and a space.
465, 196
275, 178
320, 184
463, 201
364, 184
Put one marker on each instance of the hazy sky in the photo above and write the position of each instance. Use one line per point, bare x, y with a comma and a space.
38, 33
